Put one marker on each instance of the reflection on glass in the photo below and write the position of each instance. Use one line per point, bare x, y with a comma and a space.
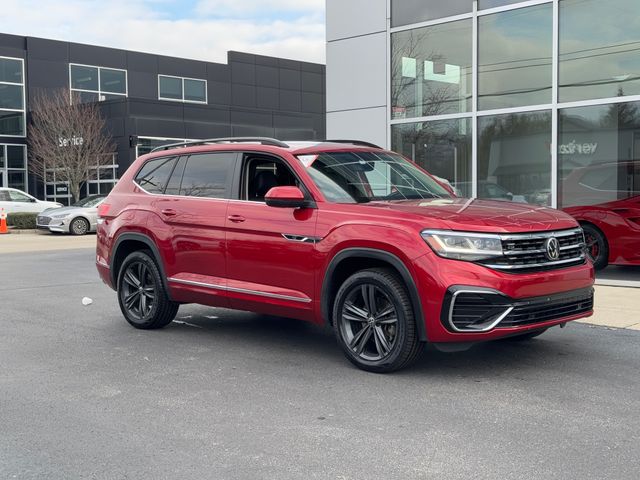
514, 58
484, 4
404, 12
195, 90
170, 87
15, 156
84, 97
443, 148
11, 123
11, 96
85, 78
17, 179
431, 70
599, 49
598, 154
514, 159
10, 70
113, 81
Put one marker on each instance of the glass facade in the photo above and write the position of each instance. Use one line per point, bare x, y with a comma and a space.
535, 102
13, 166
12, 98
102, 179
190, 90
94, 84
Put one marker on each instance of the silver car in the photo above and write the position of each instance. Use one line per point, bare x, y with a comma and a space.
78, 219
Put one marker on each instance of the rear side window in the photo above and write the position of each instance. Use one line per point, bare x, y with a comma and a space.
154, 174
208, 175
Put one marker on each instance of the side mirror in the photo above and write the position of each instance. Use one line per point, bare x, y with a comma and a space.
286, 197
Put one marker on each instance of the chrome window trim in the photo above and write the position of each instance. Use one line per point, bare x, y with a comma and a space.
491, 326
239, 290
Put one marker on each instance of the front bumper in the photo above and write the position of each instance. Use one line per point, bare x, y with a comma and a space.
507, 304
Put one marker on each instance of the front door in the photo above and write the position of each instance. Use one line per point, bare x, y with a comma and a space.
270, 251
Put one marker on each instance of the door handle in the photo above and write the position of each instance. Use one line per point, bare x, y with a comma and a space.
169, 212
236, 218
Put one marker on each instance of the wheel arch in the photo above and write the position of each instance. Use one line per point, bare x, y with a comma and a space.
350, 260
127, 243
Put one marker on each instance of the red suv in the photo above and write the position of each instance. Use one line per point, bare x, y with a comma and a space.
341, 233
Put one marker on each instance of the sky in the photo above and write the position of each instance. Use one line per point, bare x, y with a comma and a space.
197, 29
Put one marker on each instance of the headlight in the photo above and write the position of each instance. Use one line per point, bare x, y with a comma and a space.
463, 245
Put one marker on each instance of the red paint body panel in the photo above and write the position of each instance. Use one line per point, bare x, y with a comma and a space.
249, 256
619, 221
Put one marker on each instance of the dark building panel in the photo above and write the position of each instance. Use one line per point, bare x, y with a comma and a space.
290, 100
202, 113
251, 117
311, 82
49, 50
312, 67
268, 98
243, 73
312, 102
241, 57
290, 79
182, 67
219, 93
142, 84
252, 131
43, 74
141, 108
266, 61
267, 76
243, 95
98, 56
290, 64
207, 130
142, 62
157, 127
218, 72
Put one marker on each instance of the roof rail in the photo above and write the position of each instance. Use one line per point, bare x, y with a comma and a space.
262, 140
354, 142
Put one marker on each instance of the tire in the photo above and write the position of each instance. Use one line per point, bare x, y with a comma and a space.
79, 226
525, 336
597, 246
141, 294
383, 339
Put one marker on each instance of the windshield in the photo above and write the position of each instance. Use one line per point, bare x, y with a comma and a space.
89, 202
359, 177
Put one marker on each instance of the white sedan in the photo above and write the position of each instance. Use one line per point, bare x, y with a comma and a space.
13, 201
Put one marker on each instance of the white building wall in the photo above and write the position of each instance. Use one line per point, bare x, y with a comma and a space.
357, 70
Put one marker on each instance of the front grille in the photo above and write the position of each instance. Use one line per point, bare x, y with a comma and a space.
481, 310
527, 252
43, 220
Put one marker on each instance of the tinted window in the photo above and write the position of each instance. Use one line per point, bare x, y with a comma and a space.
173, 187
113, 81
208, 175
11, 96
195, 90
18, 197
11, 123
10, 70
153, 176
170, 87
84, 78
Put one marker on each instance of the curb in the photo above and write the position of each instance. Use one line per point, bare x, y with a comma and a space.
27, 231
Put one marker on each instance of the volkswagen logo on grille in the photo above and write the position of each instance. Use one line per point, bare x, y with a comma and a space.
552, 247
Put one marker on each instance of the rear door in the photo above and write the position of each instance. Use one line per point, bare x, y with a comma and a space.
194, 208
270, 251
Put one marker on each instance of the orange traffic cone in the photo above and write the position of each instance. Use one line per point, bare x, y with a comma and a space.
3, 222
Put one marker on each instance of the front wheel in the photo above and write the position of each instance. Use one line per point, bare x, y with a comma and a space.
141, 294
597, 246
374, 321
79, 226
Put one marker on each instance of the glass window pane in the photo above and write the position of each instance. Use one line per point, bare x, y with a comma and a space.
514, 159
514, 58
404, 12
598, 49
208, 175
11, 96
11, 123
113, 81
195, 90
2, 160
484, 4
154, 174
17, 179
85, 78
171, 87
173, 187
10, 70
431, 70
443, 148
598, 154
85, 97
15, 156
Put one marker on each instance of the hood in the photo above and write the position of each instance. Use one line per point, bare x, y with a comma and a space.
62, 210
481, 215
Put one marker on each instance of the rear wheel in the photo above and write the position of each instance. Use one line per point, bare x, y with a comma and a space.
141, 294
79, 226
597, 246
374, 321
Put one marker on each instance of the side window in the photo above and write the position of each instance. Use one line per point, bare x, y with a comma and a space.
154, 175
4, 196
18, 197
173, 187
208, 175
261, 175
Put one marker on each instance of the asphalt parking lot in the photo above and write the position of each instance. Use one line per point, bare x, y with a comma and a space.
227, 395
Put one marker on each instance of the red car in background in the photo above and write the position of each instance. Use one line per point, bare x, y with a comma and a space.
611, 230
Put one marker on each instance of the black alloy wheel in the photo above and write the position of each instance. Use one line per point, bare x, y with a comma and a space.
374, 321
596, 246
141, 294
79, 226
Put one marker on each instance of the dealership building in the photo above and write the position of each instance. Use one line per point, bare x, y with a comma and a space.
536, 101
149, 100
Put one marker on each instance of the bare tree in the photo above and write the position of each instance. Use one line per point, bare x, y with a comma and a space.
69, 138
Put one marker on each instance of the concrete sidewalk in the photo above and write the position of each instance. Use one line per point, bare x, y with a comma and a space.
615, 306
